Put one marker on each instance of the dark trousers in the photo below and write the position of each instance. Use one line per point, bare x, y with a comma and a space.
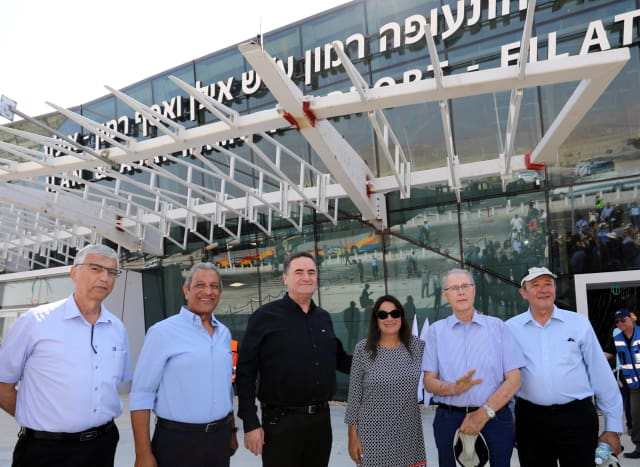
547, 434
173, 448
295, 439
634, 408
498, 433
98, 452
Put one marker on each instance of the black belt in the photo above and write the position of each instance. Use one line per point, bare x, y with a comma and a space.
195, 427
455, 408
554, 407
87, 435
308, 409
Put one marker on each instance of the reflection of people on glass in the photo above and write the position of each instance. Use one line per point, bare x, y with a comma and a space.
383, 415
365, 299
351, 317
410, 308
374, 267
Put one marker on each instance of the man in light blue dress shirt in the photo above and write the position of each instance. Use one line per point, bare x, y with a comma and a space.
183, 374
555, 416
471, 366
69, 358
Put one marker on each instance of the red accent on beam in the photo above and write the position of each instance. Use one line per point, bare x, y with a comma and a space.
306, 109
529, 165
291, 119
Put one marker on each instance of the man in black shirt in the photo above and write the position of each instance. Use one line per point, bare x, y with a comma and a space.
291, 346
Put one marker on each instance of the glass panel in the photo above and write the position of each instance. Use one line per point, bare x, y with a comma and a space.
390, 18
322, 31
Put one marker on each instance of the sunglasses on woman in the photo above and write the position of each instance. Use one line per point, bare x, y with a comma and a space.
393, 313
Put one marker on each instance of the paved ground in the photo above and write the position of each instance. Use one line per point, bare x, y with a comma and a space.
243, 458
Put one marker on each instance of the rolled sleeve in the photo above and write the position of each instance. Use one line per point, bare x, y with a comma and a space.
148, 374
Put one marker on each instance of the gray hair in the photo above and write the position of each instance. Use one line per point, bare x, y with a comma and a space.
456, 271
199, 267
99, 250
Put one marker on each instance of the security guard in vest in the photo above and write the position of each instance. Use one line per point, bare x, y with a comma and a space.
628, 350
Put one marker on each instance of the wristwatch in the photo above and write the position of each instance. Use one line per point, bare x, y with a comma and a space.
490, 412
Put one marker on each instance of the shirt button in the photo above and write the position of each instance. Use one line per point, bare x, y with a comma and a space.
95, 389
94, 410
317, 364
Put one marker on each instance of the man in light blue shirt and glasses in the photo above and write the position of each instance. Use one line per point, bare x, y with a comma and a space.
184, 375
555, 417
69, 357
471, 366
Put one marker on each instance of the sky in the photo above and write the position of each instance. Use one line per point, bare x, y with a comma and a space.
66, 51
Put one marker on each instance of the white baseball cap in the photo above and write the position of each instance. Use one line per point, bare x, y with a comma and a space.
470, 450
536, 272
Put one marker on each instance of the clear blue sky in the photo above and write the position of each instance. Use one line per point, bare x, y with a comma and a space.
65, 51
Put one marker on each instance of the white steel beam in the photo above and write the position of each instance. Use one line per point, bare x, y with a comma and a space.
342, 161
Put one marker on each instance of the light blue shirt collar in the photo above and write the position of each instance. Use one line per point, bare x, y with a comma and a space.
530, 319
194, 319
71, 311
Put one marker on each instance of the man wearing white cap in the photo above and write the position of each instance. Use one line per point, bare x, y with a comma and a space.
555, 416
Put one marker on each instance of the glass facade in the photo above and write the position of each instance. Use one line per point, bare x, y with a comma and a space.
578, 215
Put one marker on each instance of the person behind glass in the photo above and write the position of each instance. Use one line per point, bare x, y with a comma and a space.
184, 375
627, 343
291, 347
555, 417
471, 366
385, 428
69, 358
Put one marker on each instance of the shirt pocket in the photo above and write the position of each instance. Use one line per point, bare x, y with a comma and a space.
569, 353
117, 364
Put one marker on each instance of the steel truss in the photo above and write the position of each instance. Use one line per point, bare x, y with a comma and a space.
50, 206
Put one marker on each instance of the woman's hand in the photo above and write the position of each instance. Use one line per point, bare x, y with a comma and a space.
355, 447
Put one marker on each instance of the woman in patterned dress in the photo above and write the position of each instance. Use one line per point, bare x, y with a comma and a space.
385, 427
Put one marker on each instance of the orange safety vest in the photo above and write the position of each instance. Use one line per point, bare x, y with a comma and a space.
234, 359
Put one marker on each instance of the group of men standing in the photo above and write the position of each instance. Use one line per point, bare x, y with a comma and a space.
549, 359
61, 365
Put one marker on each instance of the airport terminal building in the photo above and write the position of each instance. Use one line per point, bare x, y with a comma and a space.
424, 142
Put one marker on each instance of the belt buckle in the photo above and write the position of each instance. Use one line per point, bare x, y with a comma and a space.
88, 435
312, 409
210, 426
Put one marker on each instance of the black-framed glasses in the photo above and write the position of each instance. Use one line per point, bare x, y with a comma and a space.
385, 314
619, 320
99, 269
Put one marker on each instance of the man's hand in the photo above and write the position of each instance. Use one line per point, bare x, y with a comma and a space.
612, 439
234, 442
474, 422
145, 460
254, 440
465, 382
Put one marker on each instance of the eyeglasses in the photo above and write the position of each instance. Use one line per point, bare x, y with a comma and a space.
98, 269
395, 314
458, 288
619, 320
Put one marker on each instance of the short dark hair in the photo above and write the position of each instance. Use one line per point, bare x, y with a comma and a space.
373, 336
299, 254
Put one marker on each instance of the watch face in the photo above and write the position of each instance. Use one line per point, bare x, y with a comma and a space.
490, 412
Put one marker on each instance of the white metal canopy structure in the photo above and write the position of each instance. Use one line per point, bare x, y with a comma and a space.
49, 205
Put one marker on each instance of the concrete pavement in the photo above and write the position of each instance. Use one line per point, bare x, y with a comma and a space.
339, 456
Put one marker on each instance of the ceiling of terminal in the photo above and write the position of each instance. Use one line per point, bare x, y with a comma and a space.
42, 220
